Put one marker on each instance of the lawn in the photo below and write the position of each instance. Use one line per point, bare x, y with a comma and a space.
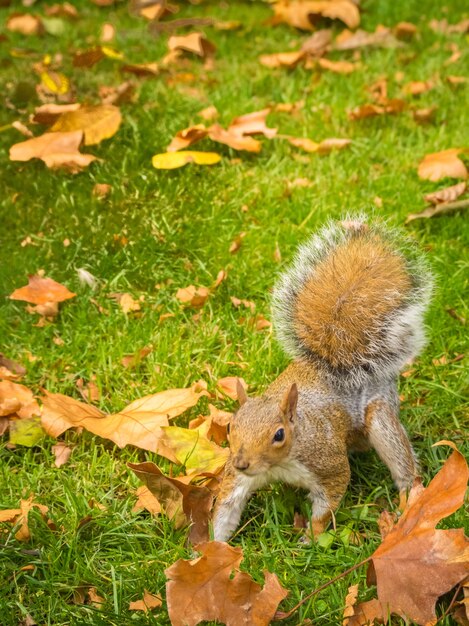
158, 231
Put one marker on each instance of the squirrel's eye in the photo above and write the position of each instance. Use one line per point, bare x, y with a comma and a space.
279, 435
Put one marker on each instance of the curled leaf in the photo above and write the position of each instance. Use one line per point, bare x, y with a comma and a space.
173, 160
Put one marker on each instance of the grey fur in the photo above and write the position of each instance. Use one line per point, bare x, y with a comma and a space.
401, 337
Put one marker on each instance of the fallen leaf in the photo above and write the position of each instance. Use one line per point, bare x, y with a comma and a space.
54, 83
141, 69
221, 276
55, 149
261, 323
16, 399
96, 122
123, 93
381, 38
422, 116
61, 452
416, 88
319, 43
146, 500
88, 58
26, 432
95, 599
101, 190
303, 14
350, 601
417, 563
193, 296
149, 602
192, 450
457, 80
442, 26
386, 522
229, 386
128, 304
445, 164
253, 124
21, 128
186, 137
49, 113
25, 23
444, 208
282, 59
62, 10
20, 516
391, 106
209, 113
405, 31
183, 503
10, 369
138, 424
236, 243
129, 361
338, 67
173, 160
108, 32
449, 194
41, 290
233, 138
88, 391
193, 42
193, 585
237, 302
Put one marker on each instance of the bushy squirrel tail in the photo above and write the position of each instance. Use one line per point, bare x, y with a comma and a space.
352, 303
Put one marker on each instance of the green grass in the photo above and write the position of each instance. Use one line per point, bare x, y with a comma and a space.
179, 227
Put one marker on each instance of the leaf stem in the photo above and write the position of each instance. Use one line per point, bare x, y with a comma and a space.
280, 615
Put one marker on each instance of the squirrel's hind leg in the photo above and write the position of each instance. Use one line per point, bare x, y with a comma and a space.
234, 493
389, 438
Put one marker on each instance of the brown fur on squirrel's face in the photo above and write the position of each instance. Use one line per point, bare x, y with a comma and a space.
261, 432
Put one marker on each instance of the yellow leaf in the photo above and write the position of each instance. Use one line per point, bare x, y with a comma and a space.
110, 53
193, 450
97, 122
55, 82
173, 160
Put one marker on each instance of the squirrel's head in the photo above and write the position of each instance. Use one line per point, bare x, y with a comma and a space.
261, 431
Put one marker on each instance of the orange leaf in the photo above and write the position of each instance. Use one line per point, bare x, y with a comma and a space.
282, 59
194, 584
445, 164
55, 149
229, 386
186, 137
448, 194
97, 122
303, 13
146, 500
138, 424
193, 296
62, 453
150, 601
339, 67
41, 290
185, 504
193, 42
17, 399
25, 23
417, 563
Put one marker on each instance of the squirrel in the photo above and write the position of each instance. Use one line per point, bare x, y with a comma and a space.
350, 313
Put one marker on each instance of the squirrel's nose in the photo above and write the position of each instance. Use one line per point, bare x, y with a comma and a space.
241, 464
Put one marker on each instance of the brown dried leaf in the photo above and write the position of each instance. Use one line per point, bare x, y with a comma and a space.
246, 303
444, 208
319, 43
96, 122
253, 124
18, 400
187, 137
350, 601
183, 503
62, 453
125, 92
405, 31
339, 67
448, 194
41, 290
303, 14
20, 516
417, 87
88, 58
194, 584
108, 32
229, 386
146, 500
49, 113
95, 599
55, 149
417, 563
445, 164
129, 361
282, 59
138, 424
381, 38
149, 602
386, 522
193, 42
141, 69
25, 23
233, 139
128, 304
193, 296
422, 116
209, 113
101, 190
10, 369
88, 391
386, 106
62, 10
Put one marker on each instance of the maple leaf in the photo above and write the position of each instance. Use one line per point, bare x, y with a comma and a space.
55, 149
417, 563
184, 503
96, 122
443, 164
40, 290
194, 584
138, 424
192, 449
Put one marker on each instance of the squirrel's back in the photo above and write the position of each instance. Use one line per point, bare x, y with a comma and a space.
353, 302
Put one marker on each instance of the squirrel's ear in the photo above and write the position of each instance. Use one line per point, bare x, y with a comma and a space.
289, 402
242, 396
